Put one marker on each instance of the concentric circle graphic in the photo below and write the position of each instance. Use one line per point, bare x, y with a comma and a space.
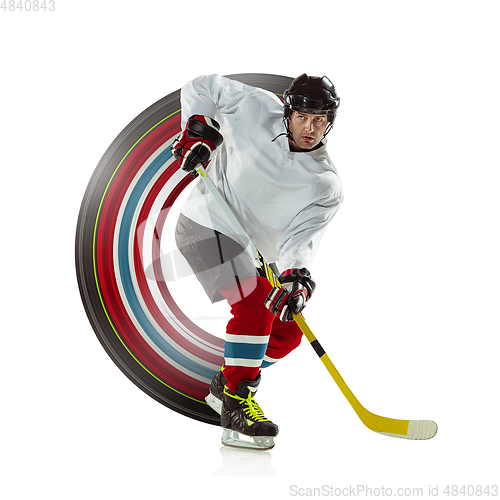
122, 275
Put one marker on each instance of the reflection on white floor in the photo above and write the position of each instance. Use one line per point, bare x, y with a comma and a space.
245, 462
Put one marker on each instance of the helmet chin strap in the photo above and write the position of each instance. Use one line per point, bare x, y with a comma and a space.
284, 133
286, 122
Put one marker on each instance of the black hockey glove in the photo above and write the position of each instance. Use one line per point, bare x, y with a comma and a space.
196, 143
297, 288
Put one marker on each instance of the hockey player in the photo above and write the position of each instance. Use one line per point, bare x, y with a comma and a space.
269, 160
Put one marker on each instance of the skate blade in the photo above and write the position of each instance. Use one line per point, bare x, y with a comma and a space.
214, 403
232, 438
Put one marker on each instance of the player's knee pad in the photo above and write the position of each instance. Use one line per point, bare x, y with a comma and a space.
250, 316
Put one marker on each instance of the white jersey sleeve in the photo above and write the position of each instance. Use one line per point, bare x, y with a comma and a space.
301, 239
215, 95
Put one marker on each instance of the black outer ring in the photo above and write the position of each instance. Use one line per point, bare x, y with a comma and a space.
89, 209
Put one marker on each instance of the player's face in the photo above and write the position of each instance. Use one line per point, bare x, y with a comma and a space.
307, 130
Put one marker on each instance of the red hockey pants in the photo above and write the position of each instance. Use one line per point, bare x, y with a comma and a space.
255, 337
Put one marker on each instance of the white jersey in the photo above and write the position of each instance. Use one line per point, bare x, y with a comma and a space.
283, 199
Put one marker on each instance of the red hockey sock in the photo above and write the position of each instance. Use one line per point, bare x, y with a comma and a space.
247, 333
285, 337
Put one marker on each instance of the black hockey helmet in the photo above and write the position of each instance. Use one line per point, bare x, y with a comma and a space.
312, 95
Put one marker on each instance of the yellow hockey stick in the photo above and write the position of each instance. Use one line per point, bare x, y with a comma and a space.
407, 429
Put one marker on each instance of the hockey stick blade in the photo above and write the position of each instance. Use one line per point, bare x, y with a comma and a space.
406, 429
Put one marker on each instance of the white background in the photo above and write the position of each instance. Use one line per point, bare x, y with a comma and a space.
407, 277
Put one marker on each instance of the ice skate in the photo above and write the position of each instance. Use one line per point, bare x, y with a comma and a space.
214, 398
241, 414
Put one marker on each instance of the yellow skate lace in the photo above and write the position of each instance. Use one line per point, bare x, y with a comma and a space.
252, 409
